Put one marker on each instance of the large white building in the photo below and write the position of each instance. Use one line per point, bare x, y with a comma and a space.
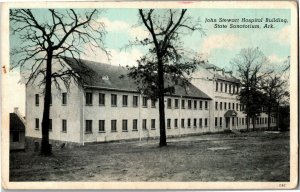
108, 107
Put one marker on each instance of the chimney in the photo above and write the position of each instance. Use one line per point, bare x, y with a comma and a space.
17, 112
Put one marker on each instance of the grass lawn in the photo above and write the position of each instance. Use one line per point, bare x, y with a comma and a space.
255, 156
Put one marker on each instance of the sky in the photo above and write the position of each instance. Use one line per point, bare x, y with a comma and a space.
219, 46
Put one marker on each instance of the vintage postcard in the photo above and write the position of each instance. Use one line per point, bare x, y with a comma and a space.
149, 95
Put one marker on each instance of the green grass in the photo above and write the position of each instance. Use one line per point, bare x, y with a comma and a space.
256, 156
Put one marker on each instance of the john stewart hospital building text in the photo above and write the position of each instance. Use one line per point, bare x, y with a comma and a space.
110, 108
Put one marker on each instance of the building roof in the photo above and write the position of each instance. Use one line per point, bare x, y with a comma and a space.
226, 76
15, 123
106, 76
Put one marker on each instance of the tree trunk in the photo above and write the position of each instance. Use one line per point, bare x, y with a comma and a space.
277, 122
162, 125
247, 122
253, 122
45, 146
269, 117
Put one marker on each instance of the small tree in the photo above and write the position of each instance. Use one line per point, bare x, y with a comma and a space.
63, 33
166, 62
249, 63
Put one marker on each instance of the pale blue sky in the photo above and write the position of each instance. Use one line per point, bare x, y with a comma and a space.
218, 45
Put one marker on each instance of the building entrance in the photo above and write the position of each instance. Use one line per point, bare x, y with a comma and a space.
227, 122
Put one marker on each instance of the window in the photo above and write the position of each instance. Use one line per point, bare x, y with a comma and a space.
241, 108
216, 105
230, 88
182, 123
134, 125
145, 101
176, 103
200, 122
144, 124
260, 120
101, 99
225, 88
114, 125
124, 125
189, 123
195, 123
64, 125
88, 126
200, 104
216, 121
221, 87
169, 123
175, 123
152, 123
89, 98
229, 105
266, 120
125, 100
50, 124
182, 104
51, 99
243, 121
189, 104
135, 101
225, 105
205, 122
206, 105
221, 121
233, 106
233, 89
37, 123
101, 125
114, 100
169, 102
15, 136
37, 99
64, 98
153, 103
217, 86
237, 106
195, 104
221, 106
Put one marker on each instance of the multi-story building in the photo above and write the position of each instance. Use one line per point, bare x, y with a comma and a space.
223, 87
108, 108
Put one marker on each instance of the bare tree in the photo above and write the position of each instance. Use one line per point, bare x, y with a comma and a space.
50, 34
274, 88
167, 62
249, 64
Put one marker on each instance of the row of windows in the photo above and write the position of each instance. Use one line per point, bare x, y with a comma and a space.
242, 121
114, 101
64, 99
184, 122
230, 88
113, 124
114, 98
63, 124
190, 104
219, 105
144, 124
